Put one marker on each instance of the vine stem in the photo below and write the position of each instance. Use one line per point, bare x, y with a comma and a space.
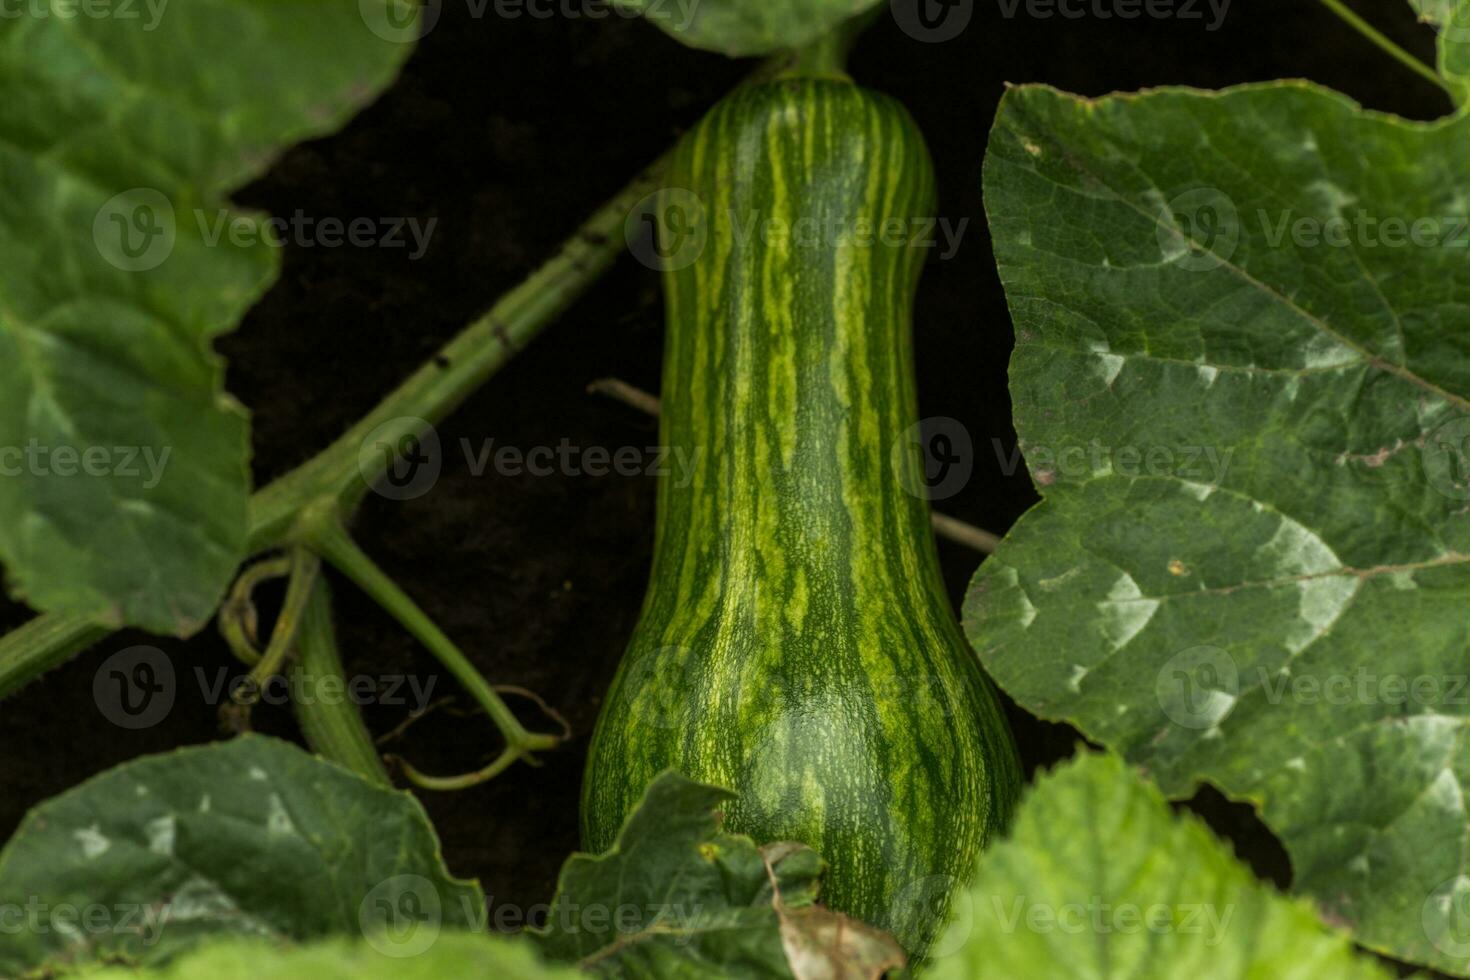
238, 619
331, 540
304, 566
1394, 50
332, 725
44, 643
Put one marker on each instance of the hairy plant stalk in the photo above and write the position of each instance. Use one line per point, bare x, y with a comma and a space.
333, 725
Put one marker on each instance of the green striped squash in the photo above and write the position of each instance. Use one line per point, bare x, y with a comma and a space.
796, 643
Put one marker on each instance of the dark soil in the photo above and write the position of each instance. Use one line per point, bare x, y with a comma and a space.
509, 132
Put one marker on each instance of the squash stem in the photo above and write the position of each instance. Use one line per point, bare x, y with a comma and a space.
333, 543
824, 58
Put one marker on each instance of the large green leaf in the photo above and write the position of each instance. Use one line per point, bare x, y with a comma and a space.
679, 897
1254, 454
452, 955
1099, 879
252, 837
123, 465
747, 27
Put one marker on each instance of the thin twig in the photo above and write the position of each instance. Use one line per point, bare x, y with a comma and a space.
1394, 51
620, 390
966, 534
945, 526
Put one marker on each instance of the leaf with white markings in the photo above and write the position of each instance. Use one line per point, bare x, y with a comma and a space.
679, 897
250, 837
126, 476
1099, 878
1242, 385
